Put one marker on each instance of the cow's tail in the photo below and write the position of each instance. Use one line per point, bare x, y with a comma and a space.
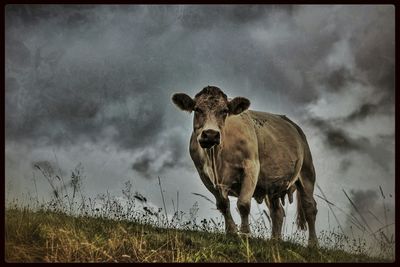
301, 216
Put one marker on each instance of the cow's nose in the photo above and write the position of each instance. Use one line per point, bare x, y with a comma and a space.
209, 138
210, 135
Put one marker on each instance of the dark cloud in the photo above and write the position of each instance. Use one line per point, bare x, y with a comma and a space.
364, 199
375, 59
46, 166
142, 165
50, 168
340, 140
104, 74
345, 164
336, 138
207, 16
70, 95
166, 154
362, 112
337, 79
369, 208
19, 54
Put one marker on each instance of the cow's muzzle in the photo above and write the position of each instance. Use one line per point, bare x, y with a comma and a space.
209, 138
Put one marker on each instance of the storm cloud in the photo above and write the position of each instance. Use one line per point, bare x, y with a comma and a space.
362, 112
336, 138
94, 83
370, 210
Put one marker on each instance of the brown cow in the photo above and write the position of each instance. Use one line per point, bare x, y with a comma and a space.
246, 153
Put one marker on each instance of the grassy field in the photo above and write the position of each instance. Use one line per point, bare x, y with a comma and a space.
73, 227
46, 236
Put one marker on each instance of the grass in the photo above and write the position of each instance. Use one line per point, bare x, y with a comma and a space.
46, 236
72, 227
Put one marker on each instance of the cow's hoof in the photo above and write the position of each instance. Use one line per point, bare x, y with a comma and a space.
245, 230
231, 230
245, 235
276, 239
313, 243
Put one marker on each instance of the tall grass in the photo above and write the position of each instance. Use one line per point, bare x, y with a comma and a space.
72, 227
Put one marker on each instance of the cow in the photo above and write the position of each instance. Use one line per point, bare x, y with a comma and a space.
250, 154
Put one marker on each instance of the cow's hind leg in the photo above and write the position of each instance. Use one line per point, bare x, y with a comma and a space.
277, 214
307, 207
224, 207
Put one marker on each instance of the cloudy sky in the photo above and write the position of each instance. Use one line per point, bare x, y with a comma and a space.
93, 85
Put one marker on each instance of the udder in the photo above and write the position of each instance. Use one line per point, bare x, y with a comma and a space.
235, 189
259, 194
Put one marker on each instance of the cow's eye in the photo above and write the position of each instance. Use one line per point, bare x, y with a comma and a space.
197, 110
224, 111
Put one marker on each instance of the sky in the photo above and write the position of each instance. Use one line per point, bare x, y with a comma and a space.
92, 85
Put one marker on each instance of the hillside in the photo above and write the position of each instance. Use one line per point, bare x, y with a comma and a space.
44, 236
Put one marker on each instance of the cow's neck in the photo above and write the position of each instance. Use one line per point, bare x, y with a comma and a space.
211, 161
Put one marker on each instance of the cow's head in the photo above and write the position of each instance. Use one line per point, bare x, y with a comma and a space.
211, 108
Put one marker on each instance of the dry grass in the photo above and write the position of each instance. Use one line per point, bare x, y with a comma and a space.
45, 236
74, 228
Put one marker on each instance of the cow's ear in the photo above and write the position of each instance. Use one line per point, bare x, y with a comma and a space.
184, 102
238, 105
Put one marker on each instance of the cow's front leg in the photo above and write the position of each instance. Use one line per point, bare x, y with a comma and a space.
224, 207
246, 193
